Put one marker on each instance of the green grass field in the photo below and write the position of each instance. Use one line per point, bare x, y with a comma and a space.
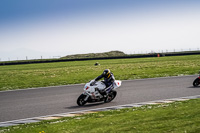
64, 73
177, 117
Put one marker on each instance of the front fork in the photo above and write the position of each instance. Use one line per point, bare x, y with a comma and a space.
87, 96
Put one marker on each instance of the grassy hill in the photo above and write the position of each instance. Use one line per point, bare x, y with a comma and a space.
99, 56
95, 55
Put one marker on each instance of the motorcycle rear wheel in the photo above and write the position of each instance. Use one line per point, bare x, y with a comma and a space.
196, 82
81, 101
110, 96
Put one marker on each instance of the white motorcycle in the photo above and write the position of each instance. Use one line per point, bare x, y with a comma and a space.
92, 92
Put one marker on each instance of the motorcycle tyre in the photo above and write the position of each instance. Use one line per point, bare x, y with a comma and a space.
113, 94
196, 82
80, 100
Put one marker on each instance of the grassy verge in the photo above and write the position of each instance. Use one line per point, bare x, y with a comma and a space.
64, 73
177, 117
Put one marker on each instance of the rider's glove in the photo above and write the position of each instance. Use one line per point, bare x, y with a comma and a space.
92, 83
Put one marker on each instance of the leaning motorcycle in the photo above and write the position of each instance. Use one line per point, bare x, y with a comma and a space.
197, 81
91, 93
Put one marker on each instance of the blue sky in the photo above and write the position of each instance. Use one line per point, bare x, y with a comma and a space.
51, 28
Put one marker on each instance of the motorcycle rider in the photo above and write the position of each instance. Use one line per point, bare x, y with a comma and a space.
108, 81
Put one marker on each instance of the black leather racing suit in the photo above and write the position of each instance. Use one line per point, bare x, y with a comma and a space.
107, 80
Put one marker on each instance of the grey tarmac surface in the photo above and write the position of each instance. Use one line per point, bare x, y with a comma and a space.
21, 104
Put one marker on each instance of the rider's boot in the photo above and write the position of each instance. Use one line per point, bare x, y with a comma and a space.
105, 94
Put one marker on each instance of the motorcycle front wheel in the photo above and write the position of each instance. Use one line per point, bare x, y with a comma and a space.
110, 96
81, 101
196, 82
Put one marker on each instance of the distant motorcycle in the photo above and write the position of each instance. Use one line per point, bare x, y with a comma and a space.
91, 93
197, 81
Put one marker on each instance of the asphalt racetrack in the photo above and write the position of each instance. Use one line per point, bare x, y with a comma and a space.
36, 102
